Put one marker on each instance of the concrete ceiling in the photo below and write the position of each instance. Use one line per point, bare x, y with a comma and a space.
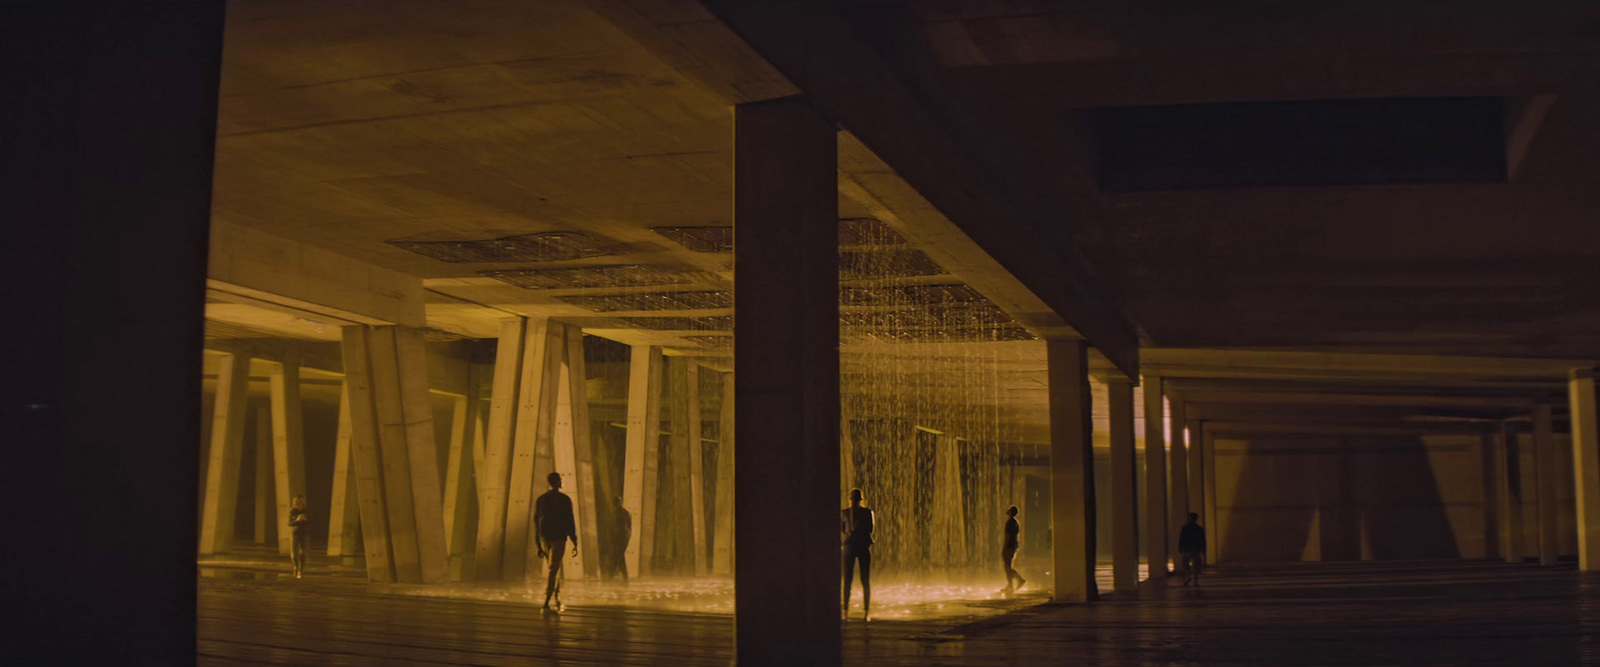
350, 125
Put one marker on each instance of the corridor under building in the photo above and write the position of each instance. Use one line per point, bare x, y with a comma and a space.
1326, 277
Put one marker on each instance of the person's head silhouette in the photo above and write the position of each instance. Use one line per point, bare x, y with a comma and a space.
1194, 518
855, 496
1011, 511
554, 479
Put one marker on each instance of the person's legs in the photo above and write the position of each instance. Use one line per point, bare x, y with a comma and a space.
1007, 556
847, 564
865, 558
558, 553
297, 553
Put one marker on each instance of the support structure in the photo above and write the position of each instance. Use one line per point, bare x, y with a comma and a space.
1178, 472
1585, 466
227, 445
1124, 486
1544, 452
722, 542
1071, 471
641, 474
1208, 445
1197, 471
494, 480
787, 392
288, 446
344, 510
394, 453
1512, 535
460, 499
1155, 477
685, 443
1489, 469
697, 485
266, 514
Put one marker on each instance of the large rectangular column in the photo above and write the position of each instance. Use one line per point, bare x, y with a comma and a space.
288, 447
532, 451
1071, 471
344, 510
365, 456
1155, 476
1544, 452
786, 316
266, 509
1489, 465
641, 474
494, 479
697, 485
681, 518
1585, 466
460, 500
583, 482
1124, 487
722, 542
1208, 444
1512, 535
1197, 471
227, 444
1178, 472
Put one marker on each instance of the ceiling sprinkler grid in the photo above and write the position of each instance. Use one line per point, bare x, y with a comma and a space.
613, 275
699, 239
713, 323
542, 247
609, 303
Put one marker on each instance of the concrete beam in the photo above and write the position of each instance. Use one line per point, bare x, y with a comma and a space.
253, 266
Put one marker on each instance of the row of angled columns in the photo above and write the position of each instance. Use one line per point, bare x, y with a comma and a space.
280, 465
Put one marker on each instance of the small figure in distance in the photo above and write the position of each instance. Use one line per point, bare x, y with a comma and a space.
1192, 544
553, 525
1008, 551
621, 533
300, 525
855, 546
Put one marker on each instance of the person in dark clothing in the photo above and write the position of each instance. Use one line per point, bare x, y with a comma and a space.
855, 546
300, 524
617, 542
1008, 551
553, 525
1192, 544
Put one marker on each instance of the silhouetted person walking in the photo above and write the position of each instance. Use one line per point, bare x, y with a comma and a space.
855, 546
553, 524
300, 524
617, 541
1192, 544
1008, 551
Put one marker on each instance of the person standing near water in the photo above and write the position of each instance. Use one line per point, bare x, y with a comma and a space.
855, 546
1008, 551
554, 525
300, 524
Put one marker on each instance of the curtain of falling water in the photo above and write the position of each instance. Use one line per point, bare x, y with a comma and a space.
921, 362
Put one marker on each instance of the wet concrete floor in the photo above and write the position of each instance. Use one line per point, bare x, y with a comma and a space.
1457, 613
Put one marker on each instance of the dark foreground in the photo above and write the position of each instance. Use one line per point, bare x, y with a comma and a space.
1313, 614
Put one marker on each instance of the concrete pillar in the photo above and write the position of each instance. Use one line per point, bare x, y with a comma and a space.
582, 483
532, 450
1585, 465
643, 449
1124, 492
697, 486
722, 542
266, 527
460, 500
1155, 476
365, 455
344, 511
786, 313
1546, 487
1208, 445
227, 443
1178, 472
1197, 470
1512, 535
1071, 471
494, 479
680, 416
288, 447
1489, 467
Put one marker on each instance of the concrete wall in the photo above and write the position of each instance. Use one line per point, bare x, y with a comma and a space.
1368, 498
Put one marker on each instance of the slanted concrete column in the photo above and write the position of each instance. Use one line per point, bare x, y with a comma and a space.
1208, 451
533, 448
722, 542
288, 446
1544, 452
266, 526
579, 451
641, 475
494, 480
697, 481
1512, 535
1197, 471
1179, 474
1155, 476
684, 437
1585, 465
460, 499
1124, 487
786, 315
344, 510
1071, 471
227, 444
